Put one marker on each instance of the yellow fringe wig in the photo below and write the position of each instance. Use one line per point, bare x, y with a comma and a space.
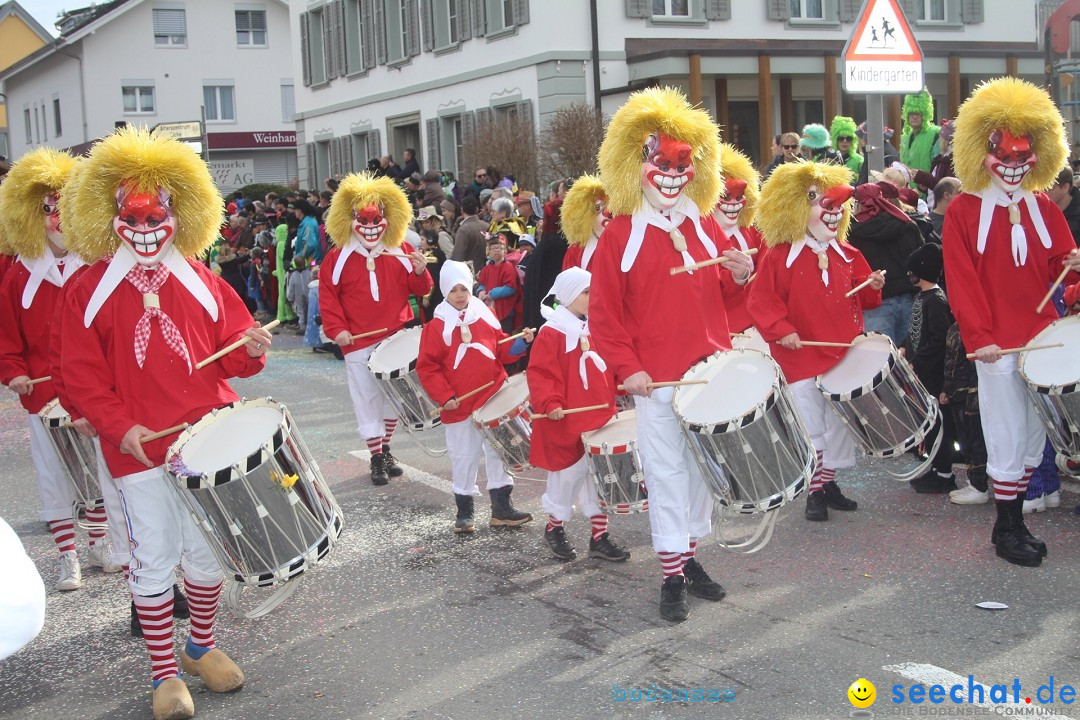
738, 166
785, 207
1021, 108
579, 209
31, 178
658, 110
132, 157
67, 199
360, 190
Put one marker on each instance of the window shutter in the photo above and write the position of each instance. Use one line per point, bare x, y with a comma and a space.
521, 12
412, 18
434, 156
169, 22
971, 11
476, 10
525, 112
779, 9
484, 116
374, 144
464, 20
717, 9
379, 17
638, 9
305, 49
849, 10
367, 31
427, 20
341, 61
335, 157
329, 42
911, 9
311, 170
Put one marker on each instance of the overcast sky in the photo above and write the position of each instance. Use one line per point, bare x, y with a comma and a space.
44, 11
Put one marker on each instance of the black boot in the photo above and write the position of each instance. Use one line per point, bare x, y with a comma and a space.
560, 546
1017, 509
392, 468
136, 626
379, 476
699, 584
503, 511
836, 500
180, 605
931, 483
464, 523
673, 607
607, 550
1008, 541
816, 509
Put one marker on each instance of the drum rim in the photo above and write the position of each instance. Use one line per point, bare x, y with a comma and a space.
740, 421
520, 410
1043, 388
870, 385
631, 445
53, 422
396, 372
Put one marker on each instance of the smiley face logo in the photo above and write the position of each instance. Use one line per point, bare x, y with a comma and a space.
862, 693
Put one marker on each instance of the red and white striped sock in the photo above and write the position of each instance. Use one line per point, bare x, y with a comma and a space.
553, 523
671, 562
691, 552
96, 517
599, 526
815, 480
1022, 486
203, 601
63, 533
374, 445
390, 425
156, 618
828, 475
1005, 490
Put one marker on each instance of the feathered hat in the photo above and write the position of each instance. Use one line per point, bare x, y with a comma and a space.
921, 102
785, 204
143, 163
842, 126
1022, 109
357, 191
32, 177
814, 136
738, 166
579, 209
658, 110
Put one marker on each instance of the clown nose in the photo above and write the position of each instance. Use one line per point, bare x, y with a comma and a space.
735, 187
837, 196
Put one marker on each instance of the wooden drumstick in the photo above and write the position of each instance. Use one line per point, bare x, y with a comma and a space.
1050, 294
707, 263
515, 337
741, 336
35, 381
163, 433
353, 338
816, 343
572, 411
860, 286
238, 344
1016, 350
466, 396
671, 383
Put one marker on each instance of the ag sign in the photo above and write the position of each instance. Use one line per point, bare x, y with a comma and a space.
232, 174
882, 56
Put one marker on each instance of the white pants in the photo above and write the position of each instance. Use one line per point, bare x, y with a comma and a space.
163, 535
680, 504
465, 444
57, 495
565, 486
369, 402
827, 431
114, 510
1015, 436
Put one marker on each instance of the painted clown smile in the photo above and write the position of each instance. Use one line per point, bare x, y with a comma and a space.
370, 233
831, 218
1012, 175
669, 185
145, 243
732, 208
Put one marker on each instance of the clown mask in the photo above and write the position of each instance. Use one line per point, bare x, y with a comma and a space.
826, 211
50, 206
1009, 159
603, 217
666, 168
726, 212
145, 222
369, 225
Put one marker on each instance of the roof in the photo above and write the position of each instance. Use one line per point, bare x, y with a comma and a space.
71, 20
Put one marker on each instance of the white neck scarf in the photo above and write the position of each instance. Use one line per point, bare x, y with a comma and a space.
993, 197
355, 246
454, 318
648, 215
816, 248
57, 270
590, 248
576, 331
737, 233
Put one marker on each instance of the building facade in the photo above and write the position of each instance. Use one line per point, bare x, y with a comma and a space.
20, 35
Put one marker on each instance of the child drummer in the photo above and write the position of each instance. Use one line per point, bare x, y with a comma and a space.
565, 372
460, 351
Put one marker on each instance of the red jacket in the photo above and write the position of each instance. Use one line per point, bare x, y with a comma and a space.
24, 335
60, 316
738, 315
787, 300
502, 275
6, 261
104, 381
348, 305
555, 382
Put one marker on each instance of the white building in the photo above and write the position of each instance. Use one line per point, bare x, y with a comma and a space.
382, 75
154, 61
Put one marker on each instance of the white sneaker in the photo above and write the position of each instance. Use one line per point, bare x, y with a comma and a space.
1036, 506
99, 556
968, 495
1053, 500
70, 573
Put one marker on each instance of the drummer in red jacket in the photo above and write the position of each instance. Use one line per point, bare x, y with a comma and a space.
565, 372
734, 213
799, 294
460, 352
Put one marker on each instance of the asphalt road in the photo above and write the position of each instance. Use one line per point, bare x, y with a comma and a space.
406, 620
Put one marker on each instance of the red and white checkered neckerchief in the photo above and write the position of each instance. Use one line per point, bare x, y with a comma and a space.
150, 283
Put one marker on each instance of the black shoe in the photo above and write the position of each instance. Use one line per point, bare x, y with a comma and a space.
379, 476
607, 550
673, 607
700, 584
464, 521
136, 626
836, 500
180, 607
1017, 510
930, 483
816, 509
1008, 541
503, 512
392, 468
560, 546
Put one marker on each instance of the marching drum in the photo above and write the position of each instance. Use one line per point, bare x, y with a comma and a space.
504, 422
1052, 379
750, 339
614, 466
256, 493
76, 453
393, 365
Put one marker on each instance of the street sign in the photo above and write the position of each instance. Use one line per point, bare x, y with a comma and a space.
191, 130
882, 56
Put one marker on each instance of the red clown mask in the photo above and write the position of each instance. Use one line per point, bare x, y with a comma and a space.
666, 168
146, 223
50, 206
603, 217
369, 225
826, 211
1009, 159
731, 204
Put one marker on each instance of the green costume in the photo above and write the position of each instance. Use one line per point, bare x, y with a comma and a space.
281, 238
918, 150
843, 126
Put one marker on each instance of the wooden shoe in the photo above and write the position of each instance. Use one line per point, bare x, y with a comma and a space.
172, 701
217, 670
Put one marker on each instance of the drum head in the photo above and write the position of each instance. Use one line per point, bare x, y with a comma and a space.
230, 437
53, 410
859, 366
1054, 367
619, 430
513, 394
739, 381
396, 352
752, 341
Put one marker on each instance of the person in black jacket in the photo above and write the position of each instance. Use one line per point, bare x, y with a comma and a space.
960, 395
1067, 197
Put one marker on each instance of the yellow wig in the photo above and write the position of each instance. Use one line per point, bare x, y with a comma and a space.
658, 110
738, 166
30, 179
132, 157
358, 191
785, 205
67, 200
1021, 108
579, 209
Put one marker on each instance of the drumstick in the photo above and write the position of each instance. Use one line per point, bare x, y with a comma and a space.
239, 343
515, 337
571, 411
367, 334
163, 433
707, 263
671, 383
466, 396
859, 287
1015, 350
742, 336
35, 381
1060, 279
815, 343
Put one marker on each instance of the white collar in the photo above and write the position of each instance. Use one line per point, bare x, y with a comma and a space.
798, 245
744, 244
648, 215
451, 316
590, 248
355, 246
991, 198
574, 329
45, 268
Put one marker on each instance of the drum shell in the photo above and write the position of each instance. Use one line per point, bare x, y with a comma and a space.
617, 473
510, 437
401, 385
76, 453
1058, 405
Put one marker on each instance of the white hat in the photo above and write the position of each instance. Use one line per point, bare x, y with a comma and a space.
455, 273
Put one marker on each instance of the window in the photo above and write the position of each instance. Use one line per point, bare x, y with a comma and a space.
170, 27
316, 57
251, 28
56, 117
447, 15
499, 16
37, 125
930, 12
807, 10
218, 100
29, 127
288, 102
355, 35
671, 8
138, 99
397, 30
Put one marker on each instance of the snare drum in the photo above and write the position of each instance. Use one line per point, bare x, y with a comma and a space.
615, 467
1052, 380
76, 453
255, 492
393, 365
750, 339
504, 422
